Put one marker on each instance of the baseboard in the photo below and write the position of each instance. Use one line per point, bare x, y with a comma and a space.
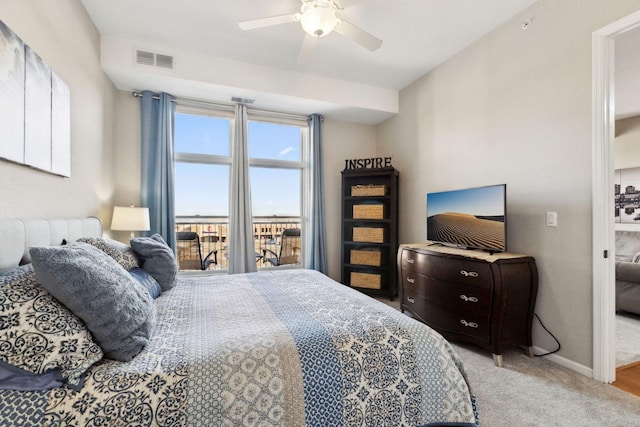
565, 363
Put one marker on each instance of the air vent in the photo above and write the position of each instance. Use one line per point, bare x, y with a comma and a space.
151, 59
145, 58
242, 100
164, 61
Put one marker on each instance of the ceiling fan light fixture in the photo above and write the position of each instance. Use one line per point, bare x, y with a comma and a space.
318, 20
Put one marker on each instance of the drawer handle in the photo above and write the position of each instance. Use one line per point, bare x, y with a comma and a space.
469, 324
468, 299
410, 260
469, 273
411, 300
411, 280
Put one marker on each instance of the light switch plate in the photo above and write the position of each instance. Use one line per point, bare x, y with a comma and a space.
552, 219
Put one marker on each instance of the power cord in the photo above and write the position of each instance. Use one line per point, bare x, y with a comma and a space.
553, 336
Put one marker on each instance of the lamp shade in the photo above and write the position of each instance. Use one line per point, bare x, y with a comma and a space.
130, 219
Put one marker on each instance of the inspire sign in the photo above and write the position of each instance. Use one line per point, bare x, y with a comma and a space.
372, 163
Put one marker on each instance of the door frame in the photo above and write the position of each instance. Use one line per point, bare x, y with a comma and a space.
603, 128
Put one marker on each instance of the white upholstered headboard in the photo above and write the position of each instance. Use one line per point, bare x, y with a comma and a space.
18, 235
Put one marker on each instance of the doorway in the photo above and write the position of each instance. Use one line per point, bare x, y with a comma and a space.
603, 77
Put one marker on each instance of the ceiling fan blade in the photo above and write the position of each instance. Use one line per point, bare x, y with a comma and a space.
306, 51
268, 21
359, 36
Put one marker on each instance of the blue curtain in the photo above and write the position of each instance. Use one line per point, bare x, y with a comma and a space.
157, 187
316, 242
242, 253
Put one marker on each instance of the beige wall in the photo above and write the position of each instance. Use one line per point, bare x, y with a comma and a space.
515, 108
63, 35
341, 141
627, 145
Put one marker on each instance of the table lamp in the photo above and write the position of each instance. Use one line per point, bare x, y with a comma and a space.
130, 219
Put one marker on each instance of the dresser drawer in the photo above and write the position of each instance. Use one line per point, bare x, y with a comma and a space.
449, 269
451, 296
443, 319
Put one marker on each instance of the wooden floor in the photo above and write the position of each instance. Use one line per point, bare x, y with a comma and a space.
628, 378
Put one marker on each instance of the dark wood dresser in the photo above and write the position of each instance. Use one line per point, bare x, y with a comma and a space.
469, 295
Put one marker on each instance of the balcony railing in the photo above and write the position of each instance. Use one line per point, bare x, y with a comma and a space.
213, 232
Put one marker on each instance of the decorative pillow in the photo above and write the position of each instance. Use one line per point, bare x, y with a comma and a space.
146, 280
117, 310
116, 250
41, 342
157, 259
636, 257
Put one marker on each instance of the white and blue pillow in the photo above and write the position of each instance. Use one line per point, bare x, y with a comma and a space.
42, 344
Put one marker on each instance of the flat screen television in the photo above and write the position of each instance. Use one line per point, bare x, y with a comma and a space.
473, 218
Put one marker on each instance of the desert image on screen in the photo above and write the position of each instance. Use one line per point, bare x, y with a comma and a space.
467, 230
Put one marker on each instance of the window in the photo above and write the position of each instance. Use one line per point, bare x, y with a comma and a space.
277, 160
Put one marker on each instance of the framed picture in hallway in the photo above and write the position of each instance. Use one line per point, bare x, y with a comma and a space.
627, 196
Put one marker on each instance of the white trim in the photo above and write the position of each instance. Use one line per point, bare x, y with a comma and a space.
570, 364
603, 116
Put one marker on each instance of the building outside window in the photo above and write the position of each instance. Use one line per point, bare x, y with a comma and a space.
278, 169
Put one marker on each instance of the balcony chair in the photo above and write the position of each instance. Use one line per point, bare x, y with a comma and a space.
289, 249
190, 254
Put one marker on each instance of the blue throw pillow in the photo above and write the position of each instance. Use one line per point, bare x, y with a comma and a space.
146, 280
13, 378
157, 259
118, 311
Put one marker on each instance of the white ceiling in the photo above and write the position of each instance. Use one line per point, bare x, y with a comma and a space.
215, 60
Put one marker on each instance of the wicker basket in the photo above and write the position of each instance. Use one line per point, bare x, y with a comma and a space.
369, 190
368, 211
366, 280
368, 234
371, 257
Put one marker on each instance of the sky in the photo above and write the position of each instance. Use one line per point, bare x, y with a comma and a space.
480, 201
203, 189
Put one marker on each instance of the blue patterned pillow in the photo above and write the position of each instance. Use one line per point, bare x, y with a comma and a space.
41, 342
146, 280
117, 310
119, 251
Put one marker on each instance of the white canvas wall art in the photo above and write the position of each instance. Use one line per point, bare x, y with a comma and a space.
60, 126
37, 112
35, 109
11, 95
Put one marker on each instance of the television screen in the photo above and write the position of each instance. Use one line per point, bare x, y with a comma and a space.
473, 218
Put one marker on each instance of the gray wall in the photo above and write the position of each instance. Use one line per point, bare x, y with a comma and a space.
515, 108
63, 35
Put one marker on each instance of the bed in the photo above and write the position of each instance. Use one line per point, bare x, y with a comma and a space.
273, 348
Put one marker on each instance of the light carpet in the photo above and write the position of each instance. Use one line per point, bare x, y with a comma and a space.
536, 392
627, 339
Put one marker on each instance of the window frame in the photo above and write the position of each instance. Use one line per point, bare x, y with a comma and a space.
226, 111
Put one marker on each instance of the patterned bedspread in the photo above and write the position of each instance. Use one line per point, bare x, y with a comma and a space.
276, 348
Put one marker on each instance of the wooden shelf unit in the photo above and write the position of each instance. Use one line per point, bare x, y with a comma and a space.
371, 236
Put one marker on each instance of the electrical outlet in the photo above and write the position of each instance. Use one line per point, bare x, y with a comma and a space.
552, 219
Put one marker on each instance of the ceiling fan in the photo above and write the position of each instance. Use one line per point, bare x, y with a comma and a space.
318, 18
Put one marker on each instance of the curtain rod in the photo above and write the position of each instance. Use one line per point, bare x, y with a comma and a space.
195, 102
